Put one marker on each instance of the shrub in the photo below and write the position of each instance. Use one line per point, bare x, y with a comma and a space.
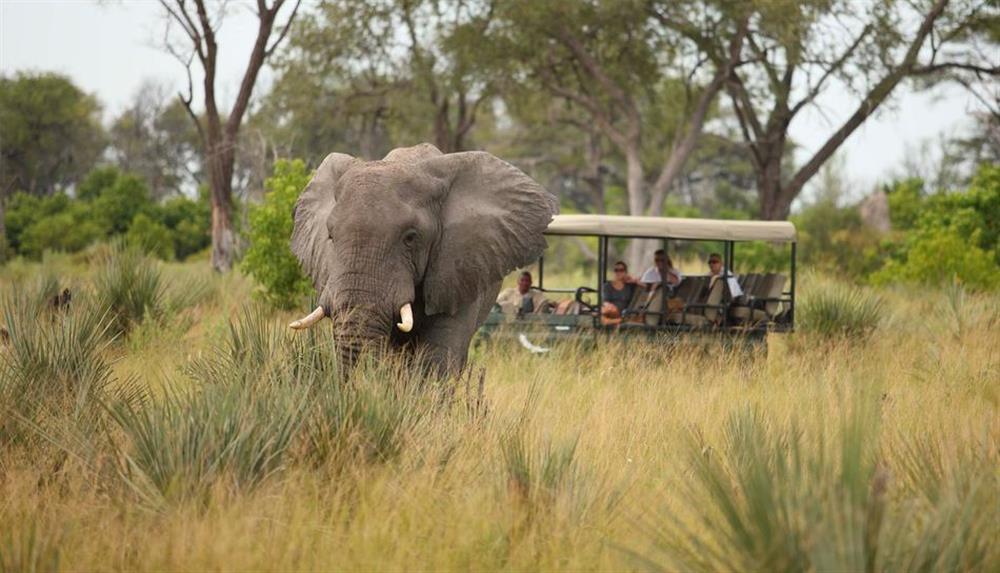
940, 256
189, 221
949, 235
69, 231
129, 287
839, 311
771, 498
151, 236
269, 259
181, 445
53, 372
122, 198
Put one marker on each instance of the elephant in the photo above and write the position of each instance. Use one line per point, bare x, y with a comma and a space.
408, 252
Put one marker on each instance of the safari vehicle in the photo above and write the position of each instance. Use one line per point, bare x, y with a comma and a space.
696, 306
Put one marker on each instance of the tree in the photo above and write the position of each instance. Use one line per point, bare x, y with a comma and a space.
51, 133
794, 51
609, 60
364, 75
52, 136
156, 140
219, 132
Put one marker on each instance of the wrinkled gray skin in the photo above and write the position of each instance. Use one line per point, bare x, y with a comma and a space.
437, 231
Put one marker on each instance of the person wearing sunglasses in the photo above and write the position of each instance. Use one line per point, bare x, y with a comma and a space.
618, 293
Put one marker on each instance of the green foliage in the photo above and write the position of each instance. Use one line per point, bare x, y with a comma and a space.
269, 259
835, 310
905, 203
939, 256
52, 133
24, 210
108, 203
189, 221
761, 257
950, 236
151, 236
117, 197
835, 239
129, 287
69, 230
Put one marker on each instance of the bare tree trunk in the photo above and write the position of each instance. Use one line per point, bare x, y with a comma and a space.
218, 138
639, 251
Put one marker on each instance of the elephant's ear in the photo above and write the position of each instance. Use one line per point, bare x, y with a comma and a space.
492, 217
310, 236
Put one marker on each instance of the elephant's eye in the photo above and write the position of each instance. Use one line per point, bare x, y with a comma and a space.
409, 237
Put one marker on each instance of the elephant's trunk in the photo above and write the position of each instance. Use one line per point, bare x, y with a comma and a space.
360, 327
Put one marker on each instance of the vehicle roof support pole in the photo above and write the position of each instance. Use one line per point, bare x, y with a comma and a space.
792, 293
602, 273
728, 254
541, 273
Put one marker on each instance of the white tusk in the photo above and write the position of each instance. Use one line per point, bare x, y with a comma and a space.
406, 315
308, 320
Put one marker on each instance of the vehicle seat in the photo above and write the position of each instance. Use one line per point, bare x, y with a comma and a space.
701, 316
759, 307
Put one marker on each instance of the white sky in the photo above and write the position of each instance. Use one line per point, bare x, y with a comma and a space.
110, 48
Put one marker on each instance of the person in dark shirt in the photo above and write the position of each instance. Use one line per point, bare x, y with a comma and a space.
617, 294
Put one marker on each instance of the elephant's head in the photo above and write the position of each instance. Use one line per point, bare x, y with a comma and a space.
402, 250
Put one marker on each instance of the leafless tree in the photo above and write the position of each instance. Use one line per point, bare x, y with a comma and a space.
219, 131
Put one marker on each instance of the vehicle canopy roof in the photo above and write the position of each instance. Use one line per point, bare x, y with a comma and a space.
672, 228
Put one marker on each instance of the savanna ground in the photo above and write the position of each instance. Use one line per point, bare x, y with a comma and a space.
187, 429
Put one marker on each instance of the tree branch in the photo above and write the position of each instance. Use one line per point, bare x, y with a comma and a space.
834, 67
594, 69
868, 106
679, 153
284, 31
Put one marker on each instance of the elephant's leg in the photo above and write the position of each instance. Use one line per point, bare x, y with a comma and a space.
444, 344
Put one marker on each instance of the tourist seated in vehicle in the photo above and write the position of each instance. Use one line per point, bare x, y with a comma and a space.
663, 270
523, 299
716, 271
617, 294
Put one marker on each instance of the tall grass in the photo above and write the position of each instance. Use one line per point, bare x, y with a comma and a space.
181, 446
771, 498
129, 286
620, 455
55, 374
834, 310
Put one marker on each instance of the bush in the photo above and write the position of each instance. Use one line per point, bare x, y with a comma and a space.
180, 446
269, 259
69, 231
108, 203
117, 197
771, 498
151, 236
939, 257
129, 287
949, 236
839, 311
189, 221
54, 375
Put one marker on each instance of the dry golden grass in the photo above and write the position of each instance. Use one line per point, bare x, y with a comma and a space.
583, 460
